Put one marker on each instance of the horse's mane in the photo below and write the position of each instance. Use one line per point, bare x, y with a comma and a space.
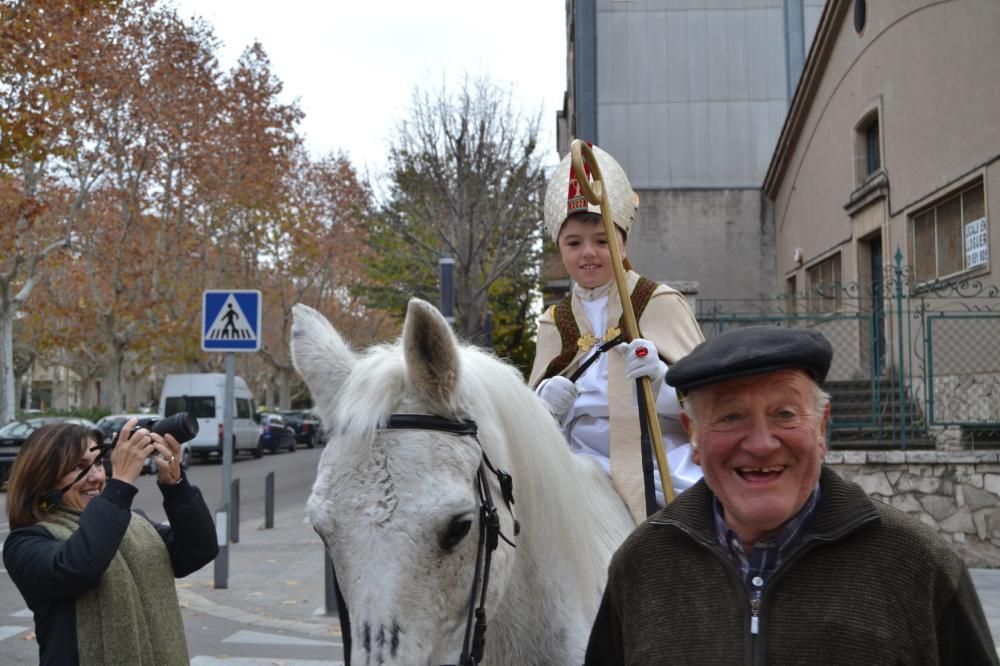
554, 490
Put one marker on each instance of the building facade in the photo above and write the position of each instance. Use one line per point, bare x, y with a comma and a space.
690, 96
882, 181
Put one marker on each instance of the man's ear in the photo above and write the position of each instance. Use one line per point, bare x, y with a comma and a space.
691, 431
823, 430
687, 423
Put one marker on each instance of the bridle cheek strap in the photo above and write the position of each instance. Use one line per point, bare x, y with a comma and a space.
489, 524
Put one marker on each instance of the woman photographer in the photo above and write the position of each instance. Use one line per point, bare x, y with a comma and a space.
98, 577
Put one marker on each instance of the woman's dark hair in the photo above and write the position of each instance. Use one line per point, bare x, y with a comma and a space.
46, 456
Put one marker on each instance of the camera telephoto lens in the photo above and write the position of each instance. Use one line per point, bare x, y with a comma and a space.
181, 425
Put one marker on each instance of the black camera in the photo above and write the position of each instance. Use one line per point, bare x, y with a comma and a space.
181, 425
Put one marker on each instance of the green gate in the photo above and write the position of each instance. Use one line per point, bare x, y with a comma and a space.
914, 366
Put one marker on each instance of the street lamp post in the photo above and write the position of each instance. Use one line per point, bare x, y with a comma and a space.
446, 285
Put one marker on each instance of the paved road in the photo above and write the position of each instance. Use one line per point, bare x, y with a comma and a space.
293, 478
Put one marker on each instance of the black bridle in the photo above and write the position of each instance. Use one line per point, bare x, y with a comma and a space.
489, 523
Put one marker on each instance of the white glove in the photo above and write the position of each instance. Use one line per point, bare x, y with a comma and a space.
641, 361
559, 394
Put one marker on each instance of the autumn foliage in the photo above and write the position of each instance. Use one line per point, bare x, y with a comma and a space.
136, 173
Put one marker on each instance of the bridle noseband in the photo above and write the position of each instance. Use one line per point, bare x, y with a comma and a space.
489, 522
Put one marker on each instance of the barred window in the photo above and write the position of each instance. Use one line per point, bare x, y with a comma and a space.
937, 238
791, 296
824, 286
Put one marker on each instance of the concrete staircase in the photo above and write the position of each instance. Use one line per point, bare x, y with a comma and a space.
868, 415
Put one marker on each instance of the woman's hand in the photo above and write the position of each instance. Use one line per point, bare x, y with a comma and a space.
129, 454
168, 467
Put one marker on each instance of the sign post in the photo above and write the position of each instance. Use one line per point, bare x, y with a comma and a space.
230, 322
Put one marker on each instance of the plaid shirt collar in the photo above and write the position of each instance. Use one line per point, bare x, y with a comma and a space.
767, 554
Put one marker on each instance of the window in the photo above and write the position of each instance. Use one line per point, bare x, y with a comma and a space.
873, 156
200, 407
791, 306
949, 237
860, 15
824, 286
243, 408
867, 147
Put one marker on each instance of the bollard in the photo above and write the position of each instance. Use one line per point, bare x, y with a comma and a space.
222, 559
234, 503
269, 501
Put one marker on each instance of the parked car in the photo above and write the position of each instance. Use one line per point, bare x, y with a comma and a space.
307, 427
13, 434
109, 425
275, 434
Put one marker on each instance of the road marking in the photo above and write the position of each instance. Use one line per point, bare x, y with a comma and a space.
256, 661
24, 612
199, 604
7, 631
259, 637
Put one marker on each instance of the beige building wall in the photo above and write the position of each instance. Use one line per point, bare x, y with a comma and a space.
926, 75
930, 70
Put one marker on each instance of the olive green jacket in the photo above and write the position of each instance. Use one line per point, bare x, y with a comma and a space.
866, 585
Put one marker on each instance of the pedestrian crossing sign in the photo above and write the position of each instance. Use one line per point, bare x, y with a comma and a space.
230, 320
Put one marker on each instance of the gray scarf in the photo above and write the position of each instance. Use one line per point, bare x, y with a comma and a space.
132, 616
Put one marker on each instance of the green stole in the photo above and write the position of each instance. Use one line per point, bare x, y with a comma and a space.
132, 616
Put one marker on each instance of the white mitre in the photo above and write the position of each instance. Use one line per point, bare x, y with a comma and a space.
563, 196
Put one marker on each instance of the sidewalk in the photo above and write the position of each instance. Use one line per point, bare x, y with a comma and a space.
276, 581
988, 586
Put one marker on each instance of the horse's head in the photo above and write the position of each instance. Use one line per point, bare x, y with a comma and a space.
399, 509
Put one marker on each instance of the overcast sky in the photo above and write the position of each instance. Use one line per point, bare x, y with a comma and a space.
354, 65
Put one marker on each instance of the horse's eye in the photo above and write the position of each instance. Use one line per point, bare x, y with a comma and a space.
455, 532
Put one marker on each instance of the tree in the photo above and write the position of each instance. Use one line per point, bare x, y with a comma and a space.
41, 43
311, 251
146, 90
466, 181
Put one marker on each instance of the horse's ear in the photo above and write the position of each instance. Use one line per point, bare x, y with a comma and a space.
320, 355
431, 352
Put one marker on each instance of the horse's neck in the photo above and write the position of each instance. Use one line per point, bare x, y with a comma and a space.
572, 521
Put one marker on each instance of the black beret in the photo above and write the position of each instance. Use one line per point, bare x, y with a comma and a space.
754, 350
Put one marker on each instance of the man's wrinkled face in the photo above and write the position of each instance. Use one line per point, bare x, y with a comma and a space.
760, 443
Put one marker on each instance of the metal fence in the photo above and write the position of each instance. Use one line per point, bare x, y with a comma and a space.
915, 365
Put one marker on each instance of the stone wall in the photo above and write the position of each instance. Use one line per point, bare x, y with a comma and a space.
967, 398
957, 493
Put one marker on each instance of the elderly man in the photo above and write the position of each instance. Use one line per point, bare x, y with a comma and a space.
773, 558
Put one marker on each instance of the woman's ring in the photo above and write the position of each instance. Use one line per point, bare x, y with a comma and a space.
172, 458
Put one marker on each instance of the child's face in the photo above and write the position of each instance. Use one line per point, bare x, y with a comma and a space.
583, 246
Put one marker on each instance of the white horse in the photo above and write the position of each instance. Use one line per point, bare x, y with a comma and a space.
399, 509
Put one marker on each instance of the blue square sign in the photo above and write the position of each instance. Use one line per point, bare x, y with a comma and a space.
230, 320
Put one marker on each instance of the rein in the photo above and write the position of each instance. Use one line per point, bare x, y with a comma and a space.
489, 523
595, 356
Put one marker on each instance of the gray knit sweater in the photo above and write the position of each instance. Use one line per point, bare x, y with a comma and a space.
866, 585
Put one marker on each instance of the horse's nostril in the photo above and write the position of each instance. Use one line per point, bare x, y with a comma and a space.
455, 532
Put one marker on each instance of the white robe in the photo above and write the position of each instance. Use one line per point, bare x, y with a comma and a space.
587, 426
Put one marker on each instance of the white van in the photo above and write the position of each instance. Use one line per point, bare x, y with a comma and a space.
203, 395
